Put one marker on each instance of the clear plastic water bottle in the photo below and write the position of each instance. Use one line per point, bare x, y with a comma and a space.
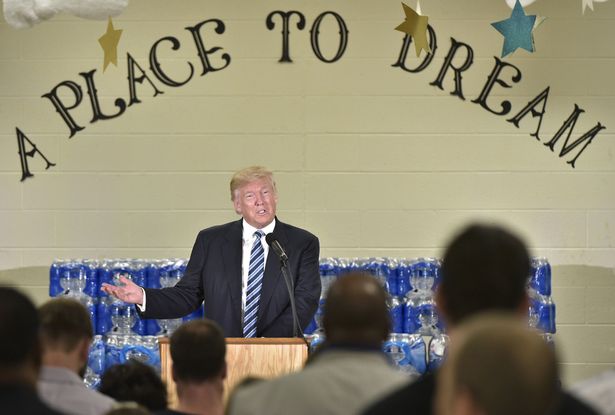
540, 276
414, 362
438, 346
541, 312
424, 274
152, 279
113, 348
357, 265
143, 349
123, 318
315, 340
403, 277
55, 288
377, 268
96, 363
105, 275
138, 275
91, 304
394, 348
420, 314
311, 328
103, 315
72, 277
395, 306
170, 274
92, 284
389, 267
329, 271
96, 356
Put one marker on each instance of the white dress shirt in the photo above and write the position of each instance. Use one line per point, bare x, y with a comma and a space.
248, 239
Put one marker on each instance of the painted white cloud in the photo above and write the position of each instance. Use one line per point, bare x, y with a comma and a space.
26, 13
511, 3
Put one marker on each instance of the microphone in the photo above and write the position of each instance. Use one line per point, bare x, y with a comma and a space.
277, 248
288, 279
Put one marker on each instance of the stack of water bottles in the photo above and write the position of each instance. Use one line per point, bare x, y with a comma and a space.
418, 340
417, 344
121, 334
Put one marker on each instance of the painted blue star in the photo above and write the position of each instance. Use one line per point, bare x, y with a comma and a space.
517, 31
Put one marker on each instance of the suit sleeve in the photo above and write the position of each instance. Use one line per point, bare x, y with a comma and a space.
186, 296
307, 292
307, 283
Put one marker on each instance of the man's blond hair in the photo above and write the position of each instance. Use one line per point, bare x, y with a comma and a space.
250, 174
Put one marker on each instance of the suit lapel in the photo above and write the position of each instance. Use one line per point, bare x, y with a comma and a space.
231, 254
273, 273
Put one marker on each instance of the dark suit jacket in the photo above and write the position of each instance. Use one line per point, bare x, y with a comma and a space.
213, 274
23, 400
417, 398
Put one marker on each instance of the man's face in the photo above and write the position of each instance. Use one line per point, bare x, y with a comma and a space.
256, 201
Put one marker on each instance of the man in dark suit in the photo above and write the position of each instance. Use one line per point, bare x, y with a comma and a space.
485, 269
234, 272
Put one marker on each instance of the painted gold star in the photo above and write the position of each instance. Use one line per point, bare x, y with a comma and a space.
415, 25
109, 42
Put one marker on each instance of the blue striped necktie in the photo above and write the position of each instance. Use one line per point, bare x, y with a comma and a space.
256, 270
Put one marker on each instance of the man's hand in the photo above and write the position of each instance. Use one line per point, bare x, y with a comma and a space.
128, 292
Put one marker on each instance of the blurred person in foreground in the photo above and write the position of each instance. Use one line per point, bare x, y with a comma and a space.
198, 352
599, 391
349, 371
135, 382
20, 356
128, 408
66, 335
498, 366
234, 272
485, 268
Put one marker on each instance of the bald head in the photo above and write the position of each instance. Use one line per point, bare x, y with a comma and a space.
500, 367
356, 311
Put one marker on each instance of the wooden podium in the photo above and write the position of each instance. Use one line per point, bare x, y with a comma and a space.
259, 357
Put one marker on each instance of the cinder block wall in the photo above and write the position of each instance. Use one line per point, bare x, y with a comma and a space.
371, 158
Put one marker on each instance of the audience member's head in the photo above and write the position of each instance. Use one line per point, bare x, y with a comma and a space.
485, 268
20, 346
66, 334
356, 311
497, 366
135, 382
198, 351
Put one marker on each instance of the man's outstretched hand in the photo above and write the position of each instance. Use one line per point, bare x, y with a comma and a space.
128, 292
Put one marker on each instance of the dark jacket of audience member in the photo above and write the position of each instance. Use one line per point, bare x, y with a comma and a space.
135, 382
485, 268
198, 352
20, 355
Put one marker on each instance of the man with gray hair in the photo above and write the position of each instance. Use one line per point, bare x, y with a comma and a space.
234, 272
66, 335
